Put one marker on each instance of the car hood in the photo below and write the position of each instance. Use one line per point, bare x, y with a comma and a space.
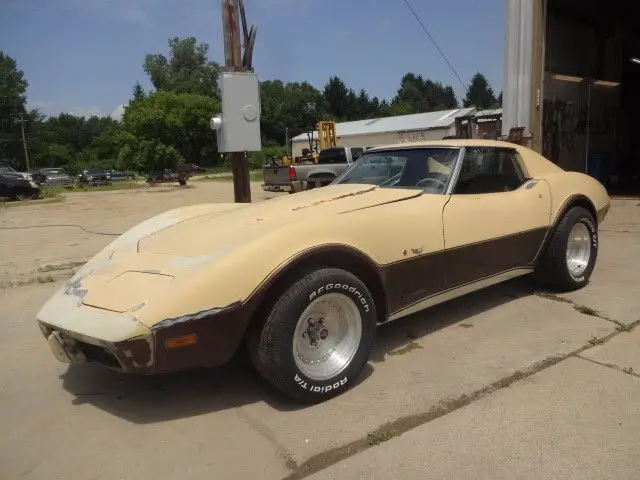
221, 230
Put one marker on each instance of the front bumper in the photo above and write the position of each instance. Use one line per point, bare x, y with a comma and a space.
79, 334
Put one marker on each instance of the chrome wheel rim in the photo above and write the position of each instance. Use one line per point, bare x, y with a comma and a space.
327, 336
578, 249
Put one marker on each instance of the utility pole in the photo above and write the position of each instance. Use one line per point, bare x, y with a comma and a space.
24, 141
235, 61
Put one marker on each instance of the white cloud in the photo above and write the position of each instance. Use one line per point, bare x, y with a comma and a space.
117, 113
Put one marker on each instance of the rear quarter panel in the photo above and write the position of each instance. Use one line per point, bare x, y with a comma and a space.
567, 186
564, 185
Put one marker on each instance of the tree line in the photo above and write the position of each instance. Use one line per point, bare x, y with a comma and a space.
170, 124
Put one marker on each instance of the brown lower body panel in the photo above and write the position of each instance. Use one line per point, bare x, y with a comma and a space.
412, 280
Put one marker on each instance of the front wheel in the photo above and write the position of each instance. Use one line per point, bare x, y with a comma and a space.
570, 256
317, 337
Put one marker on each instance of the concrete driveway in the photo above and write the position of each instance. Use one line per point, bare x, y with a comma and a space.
506, 383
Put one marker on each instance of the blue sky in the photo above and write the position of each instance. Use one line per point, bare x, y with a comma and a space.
84, 56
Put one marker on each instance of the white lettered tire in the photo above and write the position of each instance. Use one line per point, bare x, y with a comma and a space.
317, 336
570, 256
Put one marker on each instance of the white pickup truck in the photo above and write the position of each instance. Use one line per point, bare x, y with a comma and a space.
295, 178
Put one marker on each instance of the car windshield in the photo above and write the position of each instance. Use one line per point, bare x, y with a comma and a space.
428, 169
55, 171
96, 171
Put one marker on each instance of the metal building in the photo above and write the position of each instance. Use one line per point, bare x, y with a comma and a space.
386, 130
571, 78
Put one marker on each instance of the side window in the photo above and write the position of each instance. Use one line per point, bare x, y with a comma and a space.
489, 170
356, 152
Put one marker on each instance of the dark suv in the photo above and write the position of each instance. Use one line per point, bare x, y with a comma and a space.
94, 176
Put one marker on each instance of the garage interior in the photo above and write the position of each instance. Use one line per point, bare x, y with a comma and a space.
591, 101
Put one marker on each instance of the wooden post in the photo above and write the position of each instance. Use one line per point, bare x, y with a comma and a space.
24, 143
233, 63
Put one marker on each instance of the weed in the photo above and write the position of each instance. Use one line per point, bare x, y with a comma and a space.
586, 310
59, 267
379, 436
45, 279
628, 370
623, 328
596, 341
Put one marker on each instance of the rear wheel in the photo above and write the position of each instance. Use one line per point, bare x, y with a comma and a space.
570, 256
317, 337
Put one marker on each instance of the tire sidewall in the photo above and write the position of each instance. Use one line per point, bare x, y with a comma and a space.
574, 217
314, 286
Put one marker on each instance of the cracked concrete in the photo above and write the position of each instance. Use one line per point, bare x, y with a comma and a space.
500, 384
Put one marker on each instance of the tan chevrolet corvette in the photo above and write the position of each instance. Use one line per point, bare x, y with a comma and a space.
303, 280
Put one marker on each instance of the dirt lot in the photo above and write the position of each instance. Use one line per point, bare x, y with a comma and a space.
54, 236
505, 383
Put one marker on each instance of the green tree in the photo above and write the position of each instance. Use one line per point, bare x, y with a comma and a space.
69, 141
138, 92
169, 127
424, 95
335, 94
13, 86
187, 70
480, 94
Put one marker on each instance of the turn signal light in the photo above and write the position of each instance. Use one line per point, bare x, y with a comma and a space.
179, 342
292, 174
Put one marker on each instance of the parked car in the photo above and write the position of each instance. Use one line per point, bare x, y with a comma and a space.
118, 176
305, 176
94, 176
167, 176
304, 280
180, 174
25, 175
53, 176
16, 187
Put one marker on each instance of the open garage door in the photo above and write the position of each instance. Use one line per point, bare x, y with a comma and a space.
591, 89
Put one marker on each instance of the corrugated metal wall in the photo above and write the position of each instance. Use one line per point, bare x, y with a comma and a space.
517, 65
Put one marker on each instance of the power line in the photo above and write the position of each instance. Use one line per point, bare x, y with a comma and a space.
406, 2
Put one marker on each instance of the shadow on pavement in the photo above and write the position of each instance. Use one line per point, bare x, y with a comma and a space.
152, 399
399, 336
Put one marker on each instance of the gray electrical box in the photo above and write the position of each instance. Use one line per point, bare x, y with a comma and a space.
238, 128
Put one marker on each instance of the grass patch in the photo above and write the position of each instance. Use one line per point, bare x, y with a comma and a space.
587, 310
59, 190
59, 267
379, 436
24, 203
254, 176
623, 328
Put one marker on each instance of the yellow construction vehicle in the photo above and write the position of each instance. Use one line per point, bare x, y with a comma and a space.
326, 139
326, 134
